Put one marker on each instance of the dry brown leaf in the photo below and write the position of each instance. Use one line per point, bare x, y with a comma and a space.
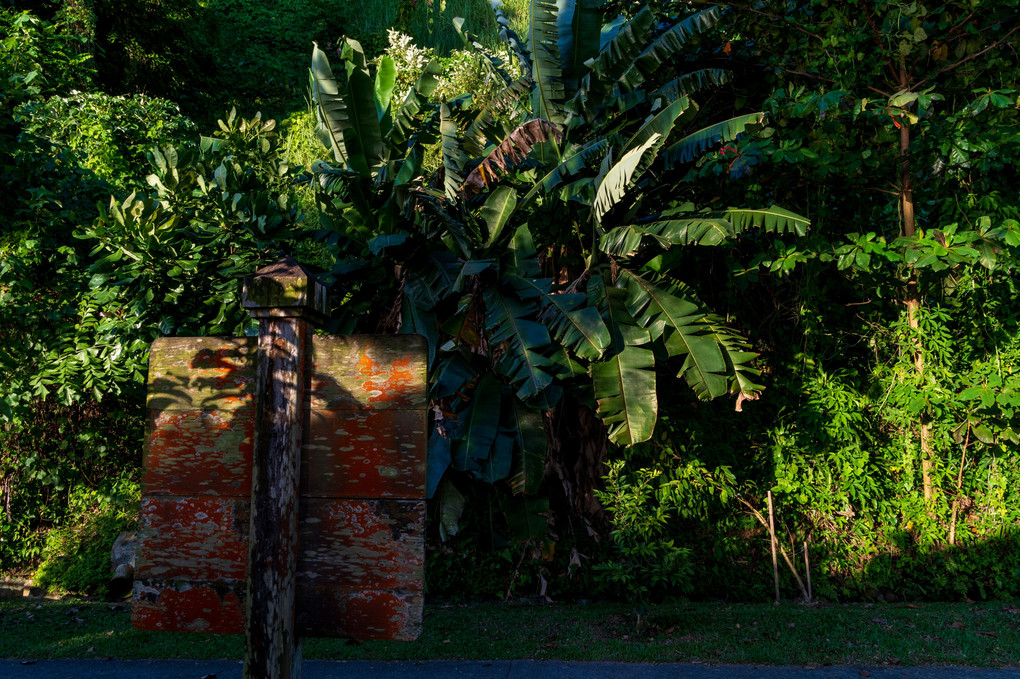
510, 153
957, 625
988, 634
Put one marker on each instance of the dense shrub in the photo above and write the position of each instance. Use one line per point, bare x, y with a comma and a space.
109, 135
76, 556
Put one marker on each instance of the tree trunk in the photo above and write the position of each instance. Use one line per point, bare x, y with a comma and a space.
913, 300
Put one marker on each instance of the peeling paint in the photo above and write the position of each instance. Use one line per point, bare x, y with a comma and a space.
361, 521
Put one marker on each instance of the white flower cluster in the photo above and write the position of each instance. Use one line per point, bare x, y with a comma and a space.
409, 59
463, 71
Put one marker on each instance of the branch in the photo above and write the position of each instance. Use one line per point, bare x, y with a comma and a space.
739, 6
763, 521
995, 44
809, 75
878, 42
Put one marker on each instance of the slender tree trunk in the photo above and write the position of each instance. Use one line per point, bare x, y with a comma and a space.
913, 300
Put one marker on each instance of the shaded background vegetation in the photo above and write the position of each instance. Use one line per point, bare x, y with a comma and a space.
886, 428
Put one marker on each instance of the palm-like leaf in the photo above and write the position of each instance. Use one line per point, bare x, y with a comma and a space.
574, 161
614, 185
481, 425
521, 258
330, 105
660, 123
510, 321
531, 446
477, 134
693, 145
453, 156
617, 56
347, 114
510, 153
414, 102
580, 31
346, 183
497, 210
510, 37
385, 81
547, 70
625, 390
361, 129
675, 39
693, 82
736, 351
774, 219
677, 321
573, 324
684, 226
626, 240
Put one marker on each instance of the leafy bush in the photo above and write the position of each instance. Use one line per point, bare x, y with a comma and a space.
76, 557
645, 560
110, 135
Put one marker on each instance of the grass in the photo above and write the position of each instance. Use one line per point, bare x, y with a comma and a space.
986, 634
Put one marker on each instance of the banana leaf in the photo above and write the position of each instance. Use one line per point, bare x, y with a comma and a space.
510, 321
574, 161
510, 153
531, 449
677, 320
580, 32
497, 210
693, 82
547, 71
693, 145
415, 101
774, 219
618, 180
453, 156
578, 327
625, 391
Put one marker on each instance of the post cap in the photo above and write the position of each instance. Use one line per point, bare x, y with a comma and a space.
285, 289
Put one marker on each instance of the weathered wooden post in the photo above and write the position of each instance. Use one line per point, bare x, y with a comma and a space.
286, 299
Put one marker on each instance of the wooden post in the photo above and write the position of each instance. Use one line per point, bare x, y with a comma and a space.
772, 541
807, 571
284, 297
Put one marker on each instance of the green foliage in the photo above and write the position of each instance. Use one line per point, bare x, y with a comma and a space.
77, 314
840, 443
646, 561
172, 262
260, 50
144, 45
572, 235
498, 259
76, 557
109, 135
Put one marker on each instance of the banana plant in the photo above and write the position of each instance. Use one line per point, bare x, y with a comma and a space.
464, 274
616, 121
525, 261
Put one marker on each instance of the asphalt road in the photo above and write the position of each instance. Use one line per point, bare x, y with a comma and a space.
504, 669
